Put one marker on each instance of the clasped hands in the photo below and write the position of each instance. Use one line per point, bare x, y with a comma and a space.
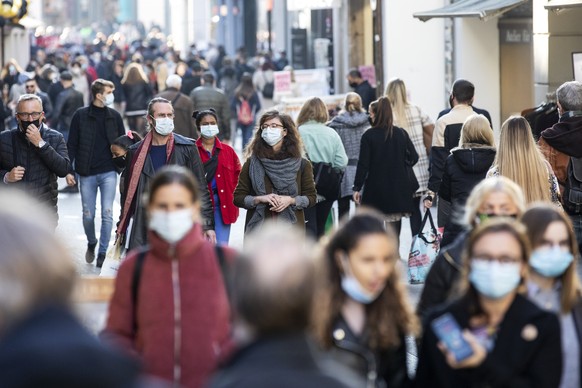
277, 203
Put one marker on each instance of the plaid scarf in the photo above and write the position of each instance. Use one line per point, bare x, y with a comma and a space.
135, 169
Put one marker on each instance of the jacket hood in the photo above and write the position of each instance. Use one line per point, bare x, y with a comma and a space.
354, 119
474, 160
566, 136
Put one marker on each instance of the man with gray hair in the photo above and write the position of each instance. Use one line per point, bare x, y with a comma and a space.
184, 124
32, 155
272, 290
562, 146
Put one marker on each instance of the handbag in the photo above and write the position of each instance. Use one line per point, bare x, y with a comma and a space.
115, 254
423, 251
328, 180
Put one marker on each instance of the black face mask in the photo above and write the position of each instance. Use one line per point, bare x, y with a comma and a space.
353, 85
119, 162
24, 124
451, 98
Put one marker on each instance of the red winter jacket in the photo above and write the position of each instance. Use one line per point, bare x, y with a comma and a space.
183, 316
226, 177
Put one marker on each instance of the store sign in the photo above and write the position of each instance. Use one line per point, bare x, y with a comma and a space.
517, 34
300, 5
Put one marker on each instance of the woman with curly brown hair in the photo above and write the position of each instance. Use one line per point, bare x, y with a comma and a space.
362, 314
275, 182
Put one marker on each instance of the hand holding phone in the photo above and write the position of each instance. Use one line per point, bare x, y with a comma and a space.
449, 332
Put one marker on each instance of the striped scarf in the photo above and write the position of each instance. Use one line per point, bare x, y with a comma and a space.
135, 170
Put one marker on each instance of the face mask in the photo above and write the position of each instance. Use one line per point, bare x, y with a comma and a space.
353, 85
109, 99
164, 126
550, 262
209, 131
171, 226
24, 124
76, 71
493, 279
119, 162
354, 289
272, 136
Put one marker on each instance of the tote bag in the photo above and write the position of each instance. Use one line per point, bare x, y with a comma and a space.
423, 250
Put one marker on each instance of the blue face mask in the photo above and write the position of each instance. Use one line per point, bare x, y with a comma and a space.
550, 262
493, 279
354, 289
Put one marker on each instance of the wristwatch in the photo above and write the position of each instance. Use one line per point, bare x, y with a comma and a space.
41, 143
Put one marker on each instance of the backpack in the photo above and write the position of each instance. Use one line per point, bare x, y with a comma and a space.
268, 89
572, 199
245, 114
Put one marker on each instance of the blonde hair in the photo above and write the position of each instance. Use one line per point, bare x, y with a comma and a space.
396, 93
476, 130
34, 271
313, 109
134, 74
485, 188
519, 159
353, 103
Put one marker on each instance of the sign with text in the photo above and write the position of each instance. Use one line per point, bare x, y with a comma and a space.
368, 74
282, 81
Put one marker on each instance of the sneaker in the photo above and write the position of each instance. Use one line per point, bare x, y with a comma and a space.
90, 254
100, 260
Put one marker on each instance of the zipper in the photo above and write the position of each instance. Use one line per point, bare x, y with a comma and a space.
177, 316
372, 374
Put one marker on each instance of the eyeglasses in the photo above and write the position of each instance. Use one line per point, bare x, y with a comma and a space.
265, 126
32, 115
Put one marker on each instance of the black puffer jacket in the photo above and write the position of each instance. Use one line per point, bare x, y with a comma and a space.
464, 168
42, 165
82, 136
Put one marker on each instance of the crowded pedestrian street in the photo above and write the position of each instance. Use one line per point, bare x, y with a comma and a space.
277, 193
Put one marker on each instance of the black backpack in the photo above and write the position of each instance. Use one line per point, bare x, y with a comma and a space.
572, 199
269, 88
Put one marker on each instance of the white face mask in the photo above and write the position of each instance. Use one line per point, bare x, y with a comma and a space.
354, 289
109, 99
171, 226
209, 131
272, 136
164, 126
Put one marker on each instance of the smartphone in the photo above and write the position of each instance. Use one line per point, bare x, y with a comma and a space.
449, 332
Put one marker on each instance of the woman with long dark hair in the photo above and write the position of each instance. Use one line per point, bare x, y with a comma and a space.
385, 168
276, 182
362, 314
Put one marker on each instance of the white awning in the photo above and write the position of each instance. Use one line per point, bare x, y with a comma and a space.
557, 5
482, 9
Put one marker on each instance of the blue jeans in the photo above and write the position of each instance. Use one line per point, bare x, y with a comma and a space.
221, 229
577, 222
247, 133
106, 183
